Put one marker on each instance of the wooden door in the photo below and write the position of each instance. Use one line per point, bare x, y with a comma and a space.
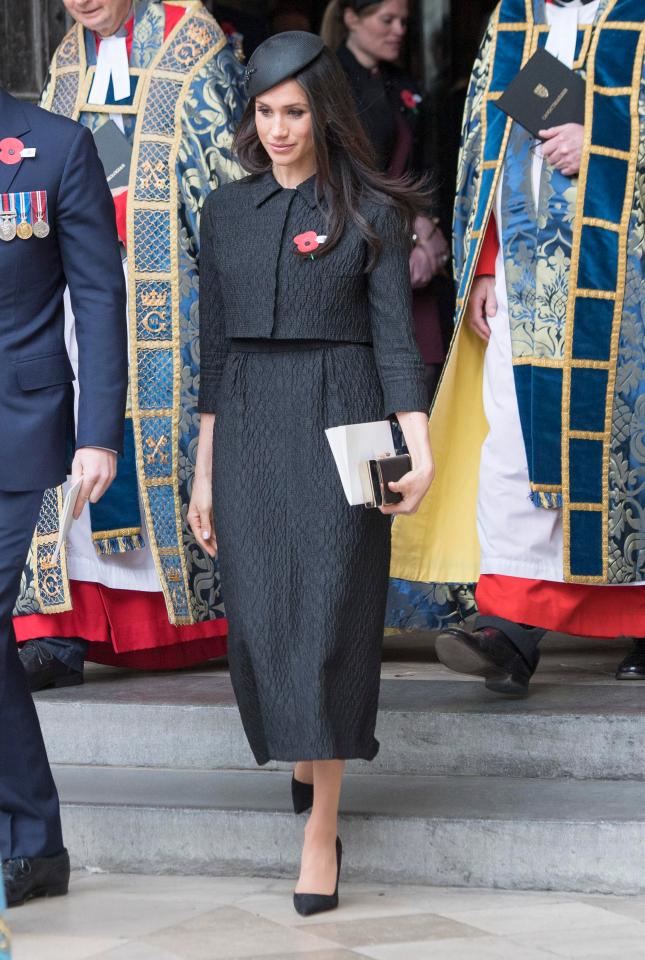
30, 31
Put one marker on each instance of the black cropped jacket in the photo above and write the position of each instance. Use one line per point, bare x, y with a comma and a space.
253, 284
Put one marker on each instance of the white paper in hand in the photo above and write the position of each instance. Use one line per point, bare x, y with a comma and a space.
67, 519
353, 444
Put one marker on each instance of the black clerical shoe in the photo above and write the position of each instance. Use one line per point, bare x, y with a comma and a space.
488, 653
28, 877
308, 904
44, 670
633, 666
302, 795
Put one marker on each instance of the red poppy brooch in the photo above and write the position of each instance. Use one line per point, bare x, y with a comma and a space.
308, 242
410, 100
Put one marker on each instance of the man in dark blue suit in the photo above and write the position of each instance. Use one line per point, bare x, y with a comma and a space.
57, 229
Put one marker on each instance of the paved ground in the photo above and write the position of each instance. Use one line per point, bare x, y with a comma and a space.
203, 918
117, 917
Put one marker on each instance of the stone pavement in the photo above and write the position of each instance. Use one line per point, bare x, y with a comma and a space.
120, 917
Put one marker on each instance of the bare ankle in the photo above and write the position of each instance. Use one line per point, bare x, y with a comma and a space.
321, 832
304, 771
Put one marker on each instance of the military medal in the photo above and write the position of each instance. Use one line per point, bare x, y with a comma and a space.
7, 217
41, 227
24, 228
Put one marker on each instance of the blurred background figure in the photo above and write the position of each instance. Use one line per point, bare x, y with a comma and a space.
247, 19
292, 15
368, 38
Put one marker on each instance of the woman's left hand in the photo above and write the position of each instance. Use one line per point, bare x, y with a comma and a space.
421, 268
431, 252
413, 487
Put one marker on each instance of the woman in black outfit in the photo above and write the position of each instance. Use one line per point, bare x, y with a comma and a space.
305, 324
368, 37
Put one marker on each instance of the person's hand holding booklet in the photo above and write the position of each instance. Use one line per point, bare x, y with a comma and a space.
67, 515
544, 94
367, 462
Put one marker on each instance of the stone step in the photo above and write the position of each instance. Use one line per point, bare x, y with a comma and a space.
593, 730
450, 831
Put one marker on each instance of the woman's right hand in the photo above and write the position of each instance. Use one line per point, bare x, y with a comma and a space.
482, 304
200, 514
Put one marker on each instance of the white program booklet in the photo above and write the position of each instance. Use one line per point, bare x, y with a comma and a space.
352, 445
66, 518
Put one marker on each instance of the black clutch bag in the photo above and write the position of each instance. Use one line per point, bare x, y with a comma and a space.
377, 474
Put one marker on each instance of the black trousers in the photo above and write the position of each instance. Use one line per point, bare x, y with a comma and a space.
525, 638
29, 812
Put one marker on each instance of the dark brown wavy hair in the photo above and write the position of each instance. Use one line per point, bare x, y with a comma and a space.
346, 173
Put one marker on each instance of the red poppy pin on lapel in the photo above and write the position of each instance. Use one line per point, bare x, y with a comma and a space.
308, 241
13, 150
410, 100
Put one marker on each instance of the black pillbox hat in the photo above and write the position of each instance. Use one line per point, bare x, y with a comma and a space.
279, 58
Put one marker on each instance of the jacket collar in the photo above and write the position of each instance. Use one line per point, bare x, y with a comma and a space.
13, 119
266, 186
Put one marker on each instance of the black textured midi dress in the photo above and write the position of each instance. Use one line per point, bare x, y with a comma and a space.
291, 345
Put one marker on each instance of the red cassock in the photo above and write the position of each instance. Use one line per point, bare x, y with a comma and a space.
574, 608
128, 628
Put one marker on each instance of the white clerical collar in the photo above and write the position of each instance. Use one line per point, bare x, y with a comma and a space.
111, 64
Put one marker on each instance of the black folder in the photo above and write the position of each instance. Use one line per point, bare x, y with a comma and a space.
115, 154
545, 93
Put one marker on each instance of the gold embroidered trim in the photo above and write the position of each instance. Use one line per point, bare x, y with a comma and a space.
86, 86
595, 294
612, 91
587, 29
630, 157
586, 435
558, 363
171, 277
625, 25
607, 151
112, 534
48, 573
478, 236
603, 224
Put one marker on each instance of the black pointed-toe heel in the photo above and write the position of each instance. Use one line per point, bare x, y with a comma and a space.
308, 904
302, 795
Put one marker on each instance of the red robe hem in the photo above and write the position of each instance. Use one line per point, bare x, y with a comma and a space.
575, 608
127, 628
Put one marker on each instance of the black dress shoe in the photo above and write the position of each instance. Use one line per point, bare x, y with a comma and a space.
307, 904
302, 795
488, 653
44, 670
633, 666
28, 877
